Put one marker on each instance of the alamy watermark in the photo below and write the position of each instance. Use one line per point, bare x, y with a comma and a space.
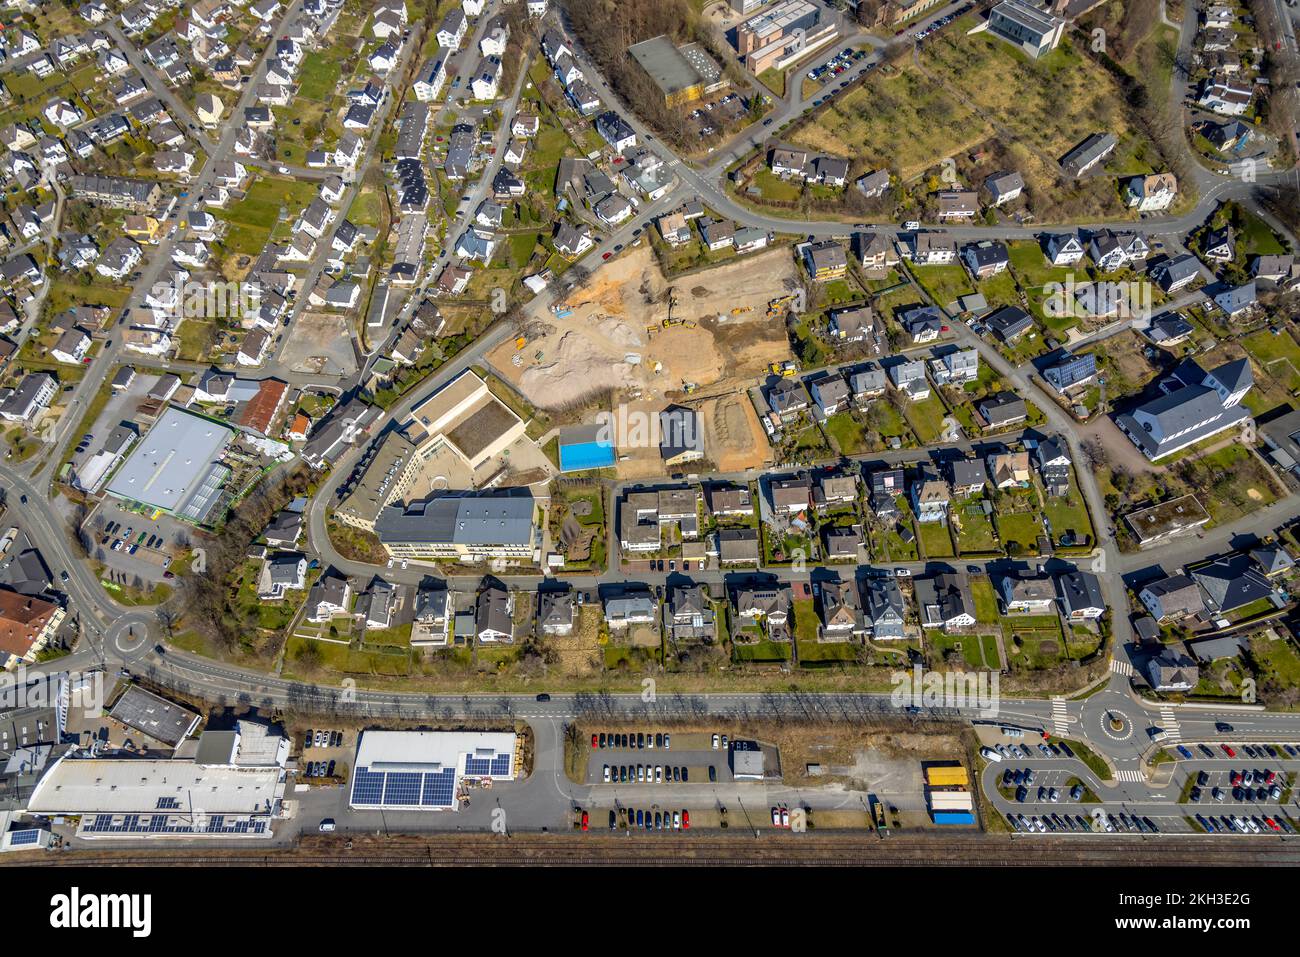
208, 300
21, 688
973, 690
625, 428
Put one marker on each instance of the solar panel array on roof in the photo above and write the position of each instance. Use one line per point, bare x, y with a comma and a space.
482, 767
408, 789
23, 838
174, 824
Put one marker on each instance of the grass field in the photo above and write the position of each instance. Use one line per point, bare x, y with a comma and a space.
935, 540
926, 418
1067, 513
1035, 272
975, 529
986, 602
1020, 527
847, 433
1033, 641
254, 217
912, 116
1278, 356
945, 284
977, 651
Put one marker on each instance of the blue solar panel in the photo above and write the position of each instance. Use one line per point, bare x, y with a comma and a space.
368, 787
23, 838
175, 824
402, 788
439, 788
168, 804
478, 766
501, 765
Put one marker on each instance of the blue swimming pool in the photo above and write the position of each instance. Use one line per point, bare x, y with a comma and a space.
581, 456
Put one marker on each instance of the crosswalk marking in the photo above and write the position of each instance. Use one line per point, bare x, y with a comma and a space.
1121, 668
1134, 776
1059, 718
1169, 723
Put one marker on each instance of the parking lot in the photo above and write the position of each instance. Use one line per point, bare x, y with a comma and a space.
1219, 789
132, 545
838, 66
655, 758
324, 753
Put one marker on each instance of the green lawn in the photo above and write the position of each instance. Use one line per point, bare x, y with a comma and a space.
319, 76
762, 651
974, 529
1067, 513
1035, 273
926, 418
1279, 356
775, 188
805, 620
1039, 638
945, 284
935, 540
977, 651
846, 432
986, 601
1021, 527
888, 545
268, 201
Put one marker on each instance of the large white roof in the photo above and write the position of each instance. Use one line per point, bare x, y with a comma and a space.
381, 750
171, 466
130, 785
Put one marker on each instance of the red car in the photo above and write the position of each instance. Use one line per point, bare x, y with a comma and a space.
1235, 778
1227, 749
605, 256
584, 820
593, 742
686, 819
1272, 824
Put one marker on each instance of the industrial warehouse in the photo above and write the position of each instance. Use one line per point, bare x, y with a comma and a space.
683, 73
227, 784
177, 468
428, 770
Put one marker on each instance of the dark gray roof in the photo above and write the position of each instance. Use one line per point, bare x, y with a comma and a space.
1232, 582
1080, 589
465, 520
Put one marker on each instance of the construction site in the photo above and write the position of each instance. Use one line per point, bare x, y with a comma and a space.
700, 342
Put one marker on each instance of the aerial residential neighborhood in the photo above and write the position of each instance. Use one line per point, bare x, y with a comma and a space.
648, 433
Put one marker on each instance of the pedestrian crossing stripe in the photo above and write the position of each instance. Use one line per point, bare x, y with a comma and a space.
1133, 776
1059, 718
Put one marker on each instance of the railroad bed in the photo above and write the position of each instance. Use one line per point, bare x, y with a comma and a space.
605, 849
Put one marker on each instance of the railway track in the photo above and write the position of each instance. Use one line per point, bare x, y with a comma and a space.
618, 850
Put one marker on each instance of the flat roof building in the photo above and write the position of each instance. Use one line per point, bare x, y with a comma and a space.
1034, 31
388, 472
163, 720
424, 770
465, 416
468, 527
178, 466
1174, 517
138, 798
669, 69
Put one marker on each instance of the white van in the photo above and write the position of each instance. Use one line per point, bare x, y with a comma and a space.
990, 754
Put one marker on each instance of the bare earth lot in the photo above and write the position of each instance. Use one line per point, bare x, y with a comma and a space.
615, 342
